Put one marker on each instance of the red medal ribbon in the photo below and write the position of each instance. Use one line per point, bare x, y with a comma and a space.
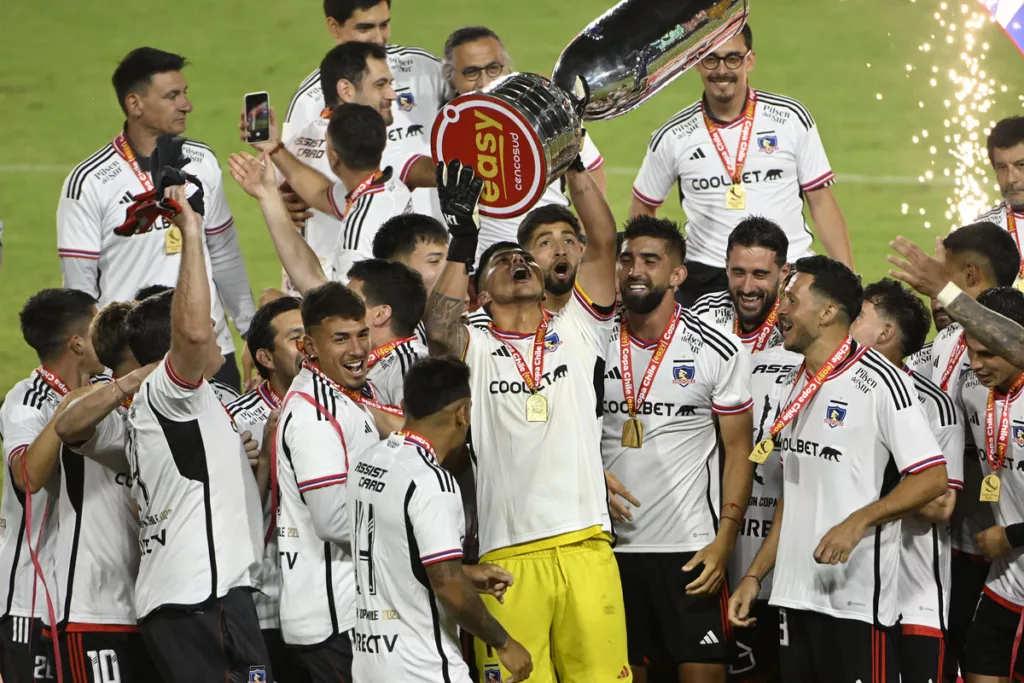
354, 395
734, 169
764, 332
51, 378
808, 392
954, 361
1011, 226
269, 395
125, 151
419, 441
532, 375
634, 404
381, 352
995, 450
361, 189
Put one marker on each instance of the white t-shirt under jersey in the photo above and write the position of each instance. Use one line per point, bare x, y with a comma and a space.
538, 480
93, 202
1006, 576
319, 431
704, 373
199, 510
785, 160
847, 448
925, 551
406, 515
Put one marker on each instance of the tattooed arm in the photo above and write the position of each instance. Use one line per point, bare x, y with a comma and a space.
928, 275
449, 582
446, 333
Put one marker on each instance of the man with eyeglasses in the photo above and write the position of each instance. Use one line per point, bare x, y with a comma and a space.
474, 57
736, 153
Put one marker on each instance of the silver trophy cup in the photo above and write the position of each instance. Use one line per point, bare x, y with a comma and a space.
524, 130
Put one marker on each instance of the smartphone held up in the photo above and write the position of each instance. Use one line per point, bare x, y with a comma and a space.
257, 116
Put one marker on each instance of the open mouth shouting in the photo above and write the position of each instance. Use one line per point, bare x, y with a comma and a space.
562, 270
521, 272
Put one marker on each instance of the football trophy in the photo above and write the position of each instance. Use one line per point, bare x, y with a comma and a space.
524, 130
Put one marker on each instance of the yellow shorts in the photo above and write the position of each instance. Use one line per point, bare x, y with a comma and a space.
564, 606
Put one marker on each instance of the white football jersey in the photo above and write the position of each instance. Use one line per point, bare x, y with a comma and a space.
950, 369
506, 229
421, 89
537, 480
250, 413
387, 368
921, 362
848, 448
773, 372
704, 373
93, 202
718, 310
25, 412
199, 510
925, 551
785, 160
406, 514
97, 550
319, 432
1006, 577
386, 198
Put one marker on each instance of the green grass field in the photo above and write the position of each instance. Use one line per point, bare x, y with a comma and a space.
59, 106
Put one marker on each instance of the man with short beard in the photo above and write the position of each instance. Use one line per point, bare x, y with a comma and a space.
756, 266
735, 153
673, 567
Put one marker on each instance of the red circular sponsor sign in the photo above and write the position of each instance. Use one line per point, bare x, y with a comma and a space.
491, 136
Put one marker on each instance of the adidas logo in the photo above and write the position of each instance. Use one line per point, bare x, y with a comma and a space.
502, 352
613, 374
127, 198
699, 154
624, 673
709, 639
367, 428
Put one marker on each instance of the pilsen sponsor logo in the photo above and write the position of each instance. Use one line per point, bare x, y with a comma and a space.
486, 133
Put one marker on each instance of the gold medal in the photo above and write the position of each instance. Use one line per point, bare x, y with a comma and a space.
536, 408
172, 240
990, 486
633, 433
761, 451
736, 198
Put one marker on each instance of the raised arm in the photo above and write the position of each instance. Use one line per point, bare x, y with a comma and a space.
191, 328
77, 423
307, 182
596, 275
927, 275
256, 176
830, 225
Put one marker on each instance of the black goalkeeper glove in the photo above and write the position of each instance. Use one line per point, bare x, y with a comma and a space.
458, 189
167, 163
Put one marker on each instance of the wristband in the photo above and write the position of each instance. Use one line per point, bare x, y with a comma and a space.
1015, 534
123, 392
276, 148
948, 293
732, 519
730, 505
751, 576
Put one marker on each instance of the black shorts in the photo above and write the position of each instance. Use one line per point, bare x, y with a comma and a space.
818, 648
22, 653
283, 661
990, 639
662, 621
218, 641
756, 652
100, 656
701, 279
968, 574
921, 653
328, 662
